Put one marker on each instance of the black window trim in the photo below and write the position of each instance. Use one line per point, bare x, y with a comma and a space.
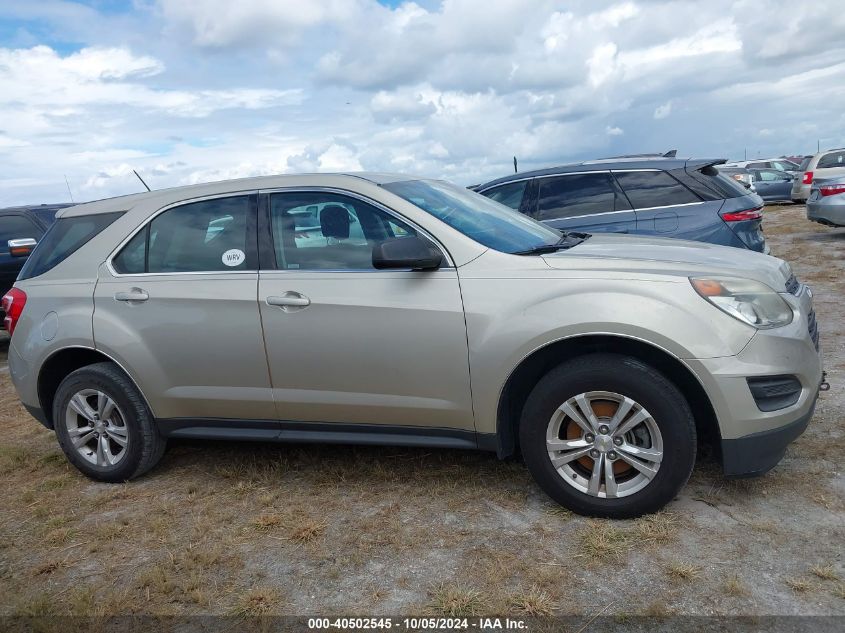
265, 239
250, 228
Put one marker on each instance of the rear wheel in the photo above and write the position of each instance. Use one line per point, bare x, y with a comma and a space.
104, 426
607, 435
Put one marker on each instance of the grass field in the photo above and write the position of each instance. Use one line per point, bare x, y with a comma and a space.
250, 530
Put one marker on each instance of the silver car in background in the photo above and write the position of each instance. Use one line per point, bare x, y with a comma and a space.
381, 309
821, 166
826, 204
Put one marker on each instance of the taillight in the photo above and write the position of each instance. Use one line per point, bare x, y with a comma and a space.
831, 190
808, 178
13, 304
741, 216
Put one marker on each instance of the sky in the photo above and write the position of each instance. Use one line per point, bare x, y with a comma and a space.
189, 91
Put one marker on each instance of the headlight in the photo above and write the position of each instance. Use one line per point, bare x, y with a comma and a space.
744, 299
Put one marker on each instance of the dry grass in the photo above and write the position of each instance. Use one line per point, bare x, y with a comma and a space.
221, 528
733, 586
660, 528
455, 601
683, 571
534, 602
825, 572
602, 542
257, 602
799, 585
307, 530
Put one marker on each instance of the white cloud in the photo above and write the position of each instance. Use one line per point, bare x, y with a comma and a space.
192, 91
663, 110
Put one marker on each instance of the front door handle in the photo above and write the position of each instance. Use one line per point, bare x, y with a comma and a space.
289, 300
135, 294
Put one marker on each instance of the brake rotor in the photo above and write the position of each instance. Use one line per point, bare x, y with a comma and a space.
604, 410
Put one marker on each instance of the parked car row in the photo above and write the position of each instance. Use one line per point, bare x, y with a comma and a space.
381, 309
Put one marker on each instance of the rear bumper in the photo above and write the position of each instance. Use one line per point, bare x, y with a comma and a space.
758, 453
830, 214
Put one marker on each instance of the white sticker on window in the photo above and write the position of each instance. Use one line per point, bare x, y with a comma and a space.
234, 257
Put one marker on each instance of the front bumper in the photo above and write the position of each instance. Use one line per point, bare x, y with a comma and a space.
758, 453
753, 441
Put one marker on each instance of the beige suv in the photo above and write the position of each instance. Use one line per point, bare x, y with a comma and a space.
378, 309
828, 164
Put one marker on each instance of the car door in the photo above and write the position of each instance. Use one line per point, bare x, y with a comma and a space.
666, 207
590, 202
347, 343
14, 226
772, 184
177, 307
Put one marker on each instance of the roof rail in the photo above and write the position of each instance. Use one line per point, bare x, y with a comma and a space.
670, 154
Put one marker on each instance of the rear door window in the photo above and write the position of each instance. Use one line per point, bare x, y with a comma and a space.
210, 236
833, 159
62, 239
510, 194
646, 189
578, 195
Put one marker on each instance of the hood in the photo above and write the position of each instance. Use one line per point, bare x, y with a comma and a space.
669, 256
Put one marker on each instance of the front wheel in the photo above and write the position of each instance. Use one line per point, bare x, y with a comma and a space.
607, 435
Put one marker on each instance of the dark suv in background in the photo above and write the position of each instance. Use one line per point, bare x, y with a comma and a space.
650, 195
20, 230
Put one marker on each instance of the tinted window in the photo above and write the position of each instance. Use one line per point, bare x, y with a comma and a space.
328, 231
205, 236
724, 185
63, 238
805, 163
132, 258
16, 227
578, 194
757, 166
784, 165
509, 194
479, 218
654, 189
833, 159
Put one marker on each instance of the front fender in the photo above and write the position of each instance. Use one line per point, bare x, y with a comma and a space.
509, 319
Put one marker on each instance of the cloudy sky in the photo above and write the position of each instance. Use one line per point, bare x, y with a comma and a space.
188, 91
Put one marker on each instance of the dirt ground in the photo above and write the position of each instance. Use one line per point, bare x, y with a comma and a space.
245, 529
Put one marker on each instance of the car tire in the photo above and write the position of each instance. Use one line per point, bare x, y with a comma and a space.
108, 442
627, 485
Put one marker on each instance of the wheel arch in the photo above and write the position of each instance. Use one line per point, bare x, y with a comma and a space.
522, 379
62, 362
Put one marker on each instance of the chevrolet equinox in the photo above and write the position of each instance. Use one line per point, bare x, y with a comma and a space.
380, 309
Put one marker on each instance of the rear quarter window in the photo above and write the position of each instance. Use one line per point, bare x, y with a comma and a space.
833, 159
720, 183
62, 239
647, 189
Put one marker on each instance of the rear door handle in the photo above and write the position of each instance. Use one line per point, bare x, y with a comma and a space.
289, 300
136, 294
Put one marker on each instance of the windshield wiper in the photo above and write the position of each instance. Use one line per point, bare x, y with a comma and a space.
568, 240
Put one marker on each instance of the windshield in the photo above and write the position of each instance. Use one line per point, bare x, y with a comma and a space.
485, 221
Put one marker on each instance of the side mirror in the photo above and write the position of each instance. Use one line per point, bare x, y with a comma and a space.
22, 247
406, 252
